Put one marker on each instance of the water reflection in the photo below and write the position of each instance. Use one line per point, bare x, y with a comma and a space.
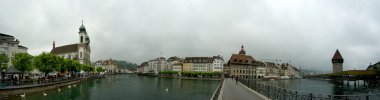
131, 87
338, 87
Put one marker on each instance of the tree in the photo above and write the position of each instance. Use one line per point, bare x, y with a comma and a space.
23, 62
73, 66
62, 64
3, 63
87, 68
92, 68
100, 69
46, 62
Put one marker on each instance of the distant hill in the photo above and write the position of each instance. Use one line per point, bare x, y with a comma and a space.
374, 66
126, 65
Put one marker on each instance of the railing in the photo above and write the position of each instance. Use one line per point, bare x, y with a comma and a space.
30, 82
217, 91
278, 93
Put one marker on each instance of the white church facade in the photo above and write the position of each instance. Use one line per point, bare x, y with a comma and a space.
79, 51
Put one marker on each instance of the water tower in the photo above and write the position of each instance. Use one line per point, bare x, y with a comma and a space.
337, 61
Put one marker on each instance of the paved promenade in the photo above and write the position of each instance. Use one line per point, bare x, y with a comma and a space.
237, 91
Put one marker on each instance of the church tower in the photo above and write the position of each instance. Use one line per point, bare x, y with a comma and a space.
83, 37
84, 50
337, 61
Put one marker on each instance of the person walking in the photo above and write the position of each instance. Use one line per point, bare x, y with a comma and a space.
236, 79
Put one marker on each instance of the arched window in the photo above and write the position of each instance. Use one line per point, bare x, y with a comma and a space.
81, 41
80, 54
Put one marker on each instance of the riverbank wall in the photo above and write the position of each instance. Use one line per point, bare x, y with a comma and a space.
178, 77
17, 90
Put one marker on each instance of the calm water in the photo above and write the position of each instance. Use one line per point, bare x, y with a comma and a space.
324, 87
132, 87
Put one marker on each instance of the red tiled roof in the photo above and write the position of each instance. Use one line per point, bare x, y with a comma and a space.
337, 56
241, 59
65, 49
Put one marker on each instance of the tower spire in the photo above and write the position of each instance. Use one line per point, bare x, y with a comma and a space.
242, 51
82, 28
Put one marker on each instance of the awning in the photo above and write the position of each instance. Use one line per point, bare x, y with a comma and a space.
12, 70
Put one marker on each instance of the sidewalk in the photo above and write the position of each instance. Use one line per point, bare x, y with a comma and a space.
237, 91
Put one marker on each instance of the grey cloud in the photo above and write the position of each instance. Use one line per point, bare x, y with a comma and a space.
305, 32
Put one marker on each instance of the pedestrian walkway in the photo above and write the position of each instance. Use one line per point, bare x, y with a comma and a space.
232, 90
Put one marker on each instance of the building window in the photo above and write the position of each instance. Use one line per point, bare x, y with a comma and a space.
80, 54
81, 40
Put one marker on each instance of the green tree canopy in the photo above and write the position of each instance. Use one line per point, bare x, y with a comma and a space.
47, 62
88, 68
73, 65
62, 64
23, 62
3, 61
100, 69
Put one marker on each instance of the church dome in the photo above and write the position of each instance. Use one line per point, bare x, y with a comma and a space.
82, 28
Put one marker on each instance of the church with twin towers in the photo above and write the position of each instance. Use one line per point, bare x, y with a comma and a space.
80, 51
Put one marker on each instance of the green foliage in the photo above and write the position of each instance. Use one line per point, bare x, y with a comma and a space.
65, 64
3, 61
61, 64
47, 62
73, 65
23, 62
100, 69
88, 68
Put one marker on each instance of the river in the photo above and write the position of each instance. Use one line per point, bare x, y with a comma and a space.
130, 87
325, 87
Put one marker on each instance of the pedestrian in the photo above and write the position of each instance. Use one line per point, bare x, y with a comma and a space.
236, 79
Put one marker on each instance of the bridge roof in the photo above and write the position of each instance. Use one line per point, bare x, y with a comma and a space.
354, 72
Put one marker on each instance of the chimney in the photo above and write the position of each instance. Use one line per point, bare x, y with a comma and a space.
53, 44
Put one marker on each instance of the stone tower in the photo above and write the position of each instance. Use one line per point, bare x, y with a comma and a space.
337, 61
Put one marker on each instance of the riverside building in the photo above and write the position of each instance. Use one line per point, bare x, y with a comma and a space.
10, 46
242, 65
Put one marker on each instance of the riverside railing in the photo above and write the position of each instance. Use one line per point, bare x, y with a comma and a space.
217, 91
278, 93
41, 81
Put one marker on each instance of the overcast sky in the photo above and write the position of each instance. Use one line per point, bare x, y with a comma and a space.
305, 32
